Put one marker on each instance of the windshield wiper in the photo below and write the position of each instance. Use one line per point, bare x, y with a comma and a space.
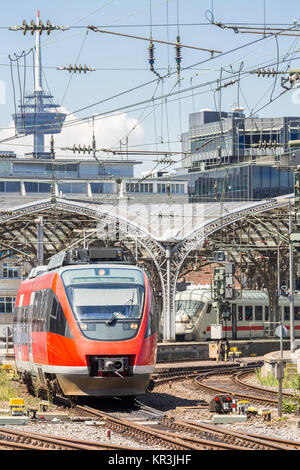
130, 303
112, 320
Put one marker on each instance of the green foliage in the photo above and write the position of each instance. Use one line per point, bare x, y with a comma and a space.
10, 387
289, 405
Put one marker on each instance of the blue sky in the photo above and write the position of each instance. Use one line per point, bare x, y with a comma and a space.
122, 64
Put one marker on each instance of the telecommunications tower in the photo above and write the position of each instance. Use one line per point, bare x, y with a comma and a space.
38, 115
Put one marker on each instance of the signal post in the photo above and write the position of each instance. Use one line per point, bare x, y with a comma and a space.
222, 291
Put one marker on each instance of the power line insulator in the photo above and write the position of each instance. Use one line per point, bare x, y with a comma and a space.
25, 27
48, 27
77, 68
32, 26
40, 27
178, 57
151, 54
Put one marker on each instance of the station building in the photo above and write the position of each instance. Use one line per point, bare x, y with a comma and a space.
34, 177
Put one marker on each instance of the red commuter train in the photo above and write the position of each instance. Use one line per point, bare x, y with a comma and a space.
86, 324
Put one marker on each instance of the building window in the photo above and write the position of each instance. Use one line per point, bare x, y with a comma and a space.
139, 187
34, 187
7, 304
11, 270
73, 188
9, 186
102, 188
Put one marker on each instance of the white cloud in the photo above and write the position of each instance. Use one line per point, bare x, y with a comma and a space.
108, 132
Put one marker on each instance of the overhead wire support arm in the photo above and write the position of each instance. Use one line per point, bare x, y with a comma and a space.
259, 30
97, 30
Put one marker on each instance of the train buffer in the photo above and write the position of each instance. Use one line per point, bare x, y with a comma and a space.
234, 354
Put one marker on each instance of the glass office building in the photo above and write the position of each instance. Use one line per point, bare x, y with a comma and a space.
240, 183
237, 158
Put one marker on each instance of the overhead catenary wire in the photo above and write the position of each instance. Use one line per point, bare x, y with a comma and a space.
254, 41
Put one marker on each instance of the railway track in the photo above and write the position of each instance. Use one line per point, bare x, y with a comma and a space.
165, 433
255, 394
238, 378
189, 435
23, 440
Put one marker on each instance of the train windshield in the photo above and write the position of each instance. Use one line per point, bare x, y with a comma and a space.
190, 307
107, 302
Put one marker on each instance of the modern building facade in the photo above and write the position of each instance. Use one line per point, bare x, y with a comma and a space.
231, 157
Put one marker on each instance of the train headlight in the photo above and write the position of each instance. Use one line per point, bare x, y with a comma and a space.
83, 326
134, 326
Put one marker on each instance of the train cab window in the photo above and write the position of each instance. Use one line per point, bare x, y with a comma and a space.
191, 307
266, 313
240, 313
258, 313
248, 313
209, 306
107, 303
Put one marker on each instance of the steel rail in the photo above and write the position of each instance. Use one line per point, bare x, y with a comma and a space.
233, 440
137, 430
32, 440
218, 389
240, 439
237, 378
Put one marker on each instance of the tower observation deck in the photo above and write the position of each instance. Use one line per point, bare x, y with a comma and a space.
38, 115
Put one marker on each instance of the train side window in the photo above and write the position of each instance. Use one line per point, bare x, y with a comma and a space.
153, 319
47, 304
19, 314
36, 306
209, 308
266, 313
240, 310
40, 306
286, 313
258, 312
296, 313
54, 309
248, 313
58, 323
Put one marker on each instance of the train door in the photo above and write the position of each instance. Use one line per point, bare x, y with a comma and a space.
29, 330
240, 321
233, 322
267, 325
257, 326
297, 318
18, 327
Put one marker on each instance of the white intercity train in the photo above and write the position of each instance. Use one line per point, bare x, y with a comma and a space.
250, 315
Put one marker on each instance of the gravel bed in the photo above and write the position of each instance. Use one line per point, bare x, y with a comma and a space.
170, 399
86, 432
173, 401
